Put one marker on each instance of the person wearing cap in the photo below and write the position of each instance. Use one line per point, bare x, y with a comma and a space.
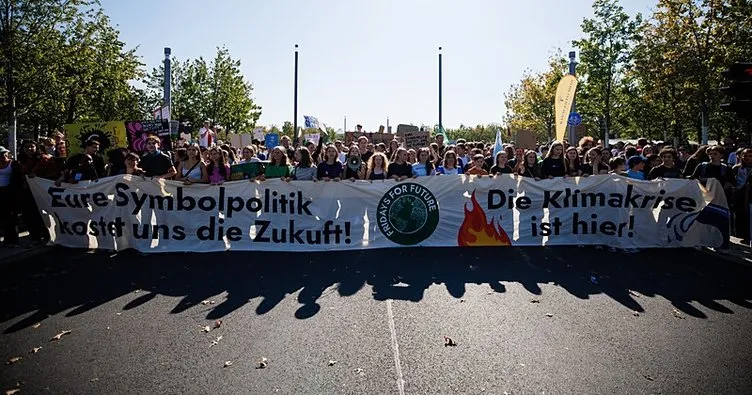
11, 182
636, 166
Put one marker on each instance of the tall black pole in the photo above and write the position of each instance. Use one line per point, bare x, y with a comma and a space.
295, 106
440, 125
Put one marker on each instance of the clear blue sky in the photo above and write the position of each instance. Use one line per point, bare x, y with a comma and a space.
367, 60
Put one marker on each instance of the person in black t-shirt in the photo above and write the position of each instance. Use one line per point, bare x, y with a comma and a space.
501, 166
92, 149
399, 169
594, 165
715, 169
154, 162
553, 165
668, 168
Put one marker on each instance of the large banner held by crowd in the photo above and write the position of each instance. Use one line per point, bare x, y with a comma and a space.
444, 211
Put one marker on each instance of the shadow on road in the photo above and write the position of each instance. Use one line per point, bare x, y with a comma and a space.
67, 279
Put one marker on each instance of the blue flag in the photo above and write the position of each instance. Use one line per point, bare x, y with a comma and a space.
311, 122
498, 147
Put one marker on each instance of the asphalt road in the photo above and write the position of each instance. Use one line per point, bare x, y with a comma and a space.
525, 320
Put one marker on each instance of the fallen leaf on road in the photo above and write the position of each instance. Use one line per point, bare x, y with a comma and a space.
358, 371
227, 363
462, 300
634, 293
678, 314
35, 350
217, 324
206, 302
215, 341
549, 315
635, 313
332, 362
118, 313
37, 325
521, 364
136, 291
534, 301
60, 335
94, 379
490, 293
650, 378
13, 360
448, 342
262, 363
206, 329
13, 391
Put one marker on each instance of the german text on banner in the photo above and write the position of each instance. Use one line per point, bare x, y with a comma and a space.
443, 211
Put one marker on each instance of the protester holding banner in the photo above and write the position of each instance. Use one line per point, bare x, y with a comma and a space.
554, 165
400, 169
450, 165
377, 167
83, 170
92, 150
305, 169
593, 164
476, 168
668, 168
572, 162
424, 166
355, 167
636, 165
131, 165
155, 162
278, 166
331, 168
530, 167
217, 169
500, 164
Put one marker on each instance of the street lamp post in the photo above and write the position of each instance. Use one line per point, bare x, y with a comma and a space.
440, 124
572, 135
167, 86
295, 106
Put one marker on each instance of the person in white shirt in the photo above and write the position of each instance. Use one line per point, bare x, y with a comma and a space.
206, 136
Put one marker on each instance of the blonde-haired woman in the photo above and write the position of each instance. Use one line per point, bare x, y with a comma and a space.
378, 166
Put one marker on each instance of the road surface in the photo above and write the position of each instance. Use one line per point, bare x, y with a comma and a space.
524, 320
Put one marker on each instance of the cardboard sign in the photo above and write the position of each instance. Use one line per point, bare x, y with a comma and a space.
234, 140
526, 139
415, 139
245, 139
402, 129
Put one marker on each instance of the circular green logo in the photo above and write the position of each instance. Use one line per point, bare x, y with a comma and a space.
408, 213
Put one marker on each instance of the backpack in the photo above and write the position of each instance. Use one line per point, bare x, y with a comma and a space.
704, 169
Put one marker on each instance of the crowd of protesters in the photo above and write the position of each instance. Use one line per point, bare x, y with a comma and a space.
209, 161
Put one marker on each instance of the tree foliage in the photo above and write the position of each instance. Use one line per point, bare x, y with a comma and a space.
62, 61
202, 90
654, 77
530, 104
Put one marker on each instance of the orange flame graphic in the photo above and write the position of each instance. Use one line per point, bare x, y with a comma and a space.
476, 231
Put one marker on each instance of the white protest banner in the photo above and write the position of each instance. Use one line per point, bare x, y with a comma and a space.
163, 216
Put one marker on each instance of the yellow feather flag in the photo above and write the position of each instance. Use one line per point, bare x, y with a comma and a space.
563, 105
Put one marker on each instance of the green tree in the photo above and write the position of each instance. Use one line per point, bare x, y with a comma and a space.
62, 61
217, 91
287, 129
604, 52
530, 104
